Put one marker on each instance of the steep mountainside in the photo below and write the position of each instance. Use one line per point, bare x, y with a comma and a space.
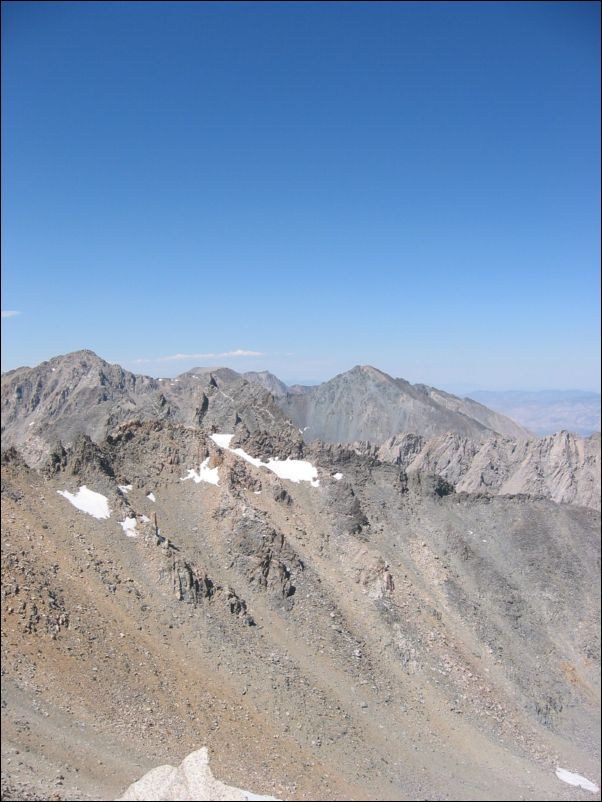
367, 404
360, 632
466, 406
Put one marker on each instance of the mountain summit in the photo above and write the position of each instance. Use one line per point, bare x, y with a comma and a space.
367, 404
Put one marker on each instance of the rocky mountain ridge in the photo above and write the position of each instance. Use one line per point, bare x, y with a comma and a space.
563, 467
81, 394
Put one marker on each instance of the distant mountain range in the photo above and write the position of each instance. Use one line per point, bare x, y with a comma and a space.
416, 426
547, 411
80, 392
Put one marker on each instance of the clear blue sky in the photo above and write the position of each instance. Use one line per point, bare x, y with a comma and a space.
414, 186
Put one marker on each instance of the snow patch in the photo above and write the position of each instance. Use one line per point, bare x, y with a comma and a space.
222, 440
125, 488
205, 474
86, 500
151, 496
129, 527
296, 470
145, 519
337, 476
576, 779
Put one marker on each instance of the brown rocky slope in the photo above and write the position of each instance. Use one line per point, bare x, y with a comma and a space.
377, 635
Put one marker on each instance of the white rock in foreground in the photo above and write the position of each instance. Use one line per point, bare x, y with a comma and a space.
86, 500
576, 779
191, 780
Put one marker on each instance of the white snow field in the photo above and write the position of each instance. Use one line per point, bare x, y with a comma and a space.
576, 779
296, 470
86, 500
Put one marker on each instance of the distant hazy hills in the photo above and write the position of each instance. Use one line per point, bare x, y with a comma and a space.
547, 411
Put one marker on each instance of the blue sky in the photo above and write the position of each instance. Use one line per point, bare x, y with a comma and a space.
414, 186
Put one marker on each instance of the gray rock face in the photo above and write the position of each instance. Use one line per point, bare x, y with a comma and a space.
268, 381
562, 467
72, 394
367, 404
466, 406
